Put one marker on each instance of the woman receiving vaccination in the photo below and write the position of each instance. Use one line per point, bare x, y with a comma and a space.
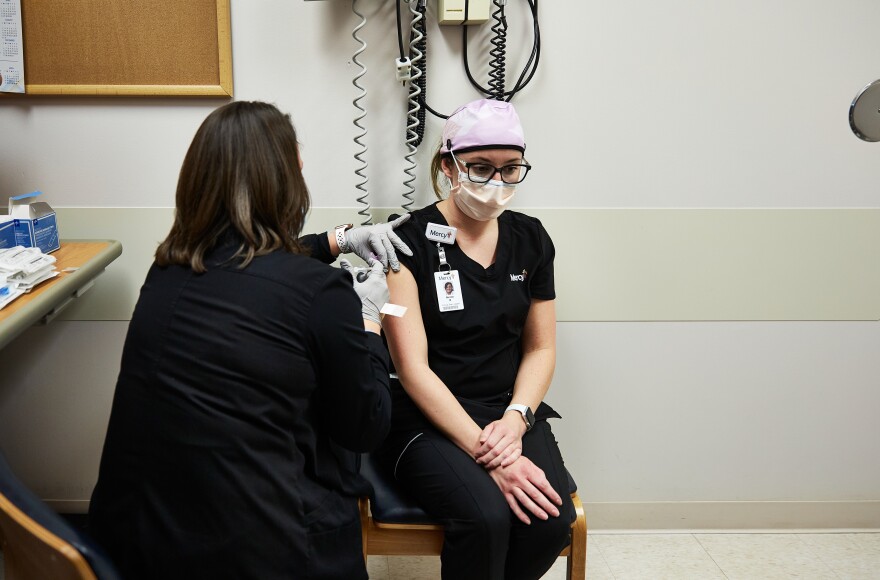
470, 439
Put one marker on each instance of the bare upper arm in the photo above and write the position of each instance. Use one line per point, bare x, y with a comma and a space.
407, 341
539, 331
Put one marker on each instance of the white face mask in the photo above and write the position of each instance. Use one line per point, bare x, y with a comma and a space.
481, 201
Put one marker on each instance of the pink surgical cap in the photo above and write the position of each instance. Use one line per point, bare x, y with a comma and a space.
483, 124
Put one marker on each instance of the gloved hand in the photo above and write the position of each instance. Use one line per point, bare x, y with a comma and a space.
371, 287
377, 242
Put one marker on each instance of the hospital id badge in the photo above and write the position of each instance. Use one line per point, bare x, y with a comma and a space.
448, 290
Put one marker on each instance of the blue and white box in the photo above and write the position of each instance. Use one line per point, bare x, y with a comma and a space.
7, 232
34, 222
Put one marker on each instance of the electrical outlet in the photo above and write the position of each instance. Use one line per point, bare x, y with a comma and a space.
452, 11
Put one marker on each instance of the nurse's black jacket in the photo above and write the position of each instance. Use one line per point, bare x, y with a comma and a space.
236, 391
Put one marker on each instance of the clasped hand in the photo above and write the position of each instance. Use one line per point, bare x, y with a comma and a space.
524, 485
500, 443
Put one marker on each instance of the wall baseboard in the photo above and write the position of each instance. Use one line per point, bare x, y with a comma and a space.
733, 516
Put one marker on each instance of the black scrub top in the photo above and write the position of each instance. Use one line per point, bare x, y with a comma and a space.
477, 351
237, 391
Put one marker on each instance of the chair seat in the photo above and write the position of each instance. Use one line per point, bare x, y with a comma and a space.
39, 541
389, 505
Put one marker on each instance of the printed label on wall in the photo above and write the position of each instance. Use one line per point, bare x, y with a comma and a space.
11, 47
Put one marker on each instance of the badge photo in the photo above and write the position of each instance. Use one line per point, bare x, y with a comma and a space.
449, 296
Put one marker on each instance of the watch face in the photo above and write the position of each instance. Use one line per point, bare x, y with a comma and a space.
530, 418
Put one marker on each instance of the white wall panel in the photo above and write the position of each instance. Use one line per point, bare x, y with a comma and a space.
55, 399
740, 411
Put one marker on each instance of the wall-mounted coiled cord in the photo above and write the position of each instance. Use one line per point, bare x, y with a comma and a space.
534, 57
498, 53
361, 168
528, 70
422, 45
421, 78
413, 122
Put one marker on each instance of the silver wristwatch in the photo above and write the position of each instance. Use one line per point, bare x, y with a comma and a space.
340, 238
526, 413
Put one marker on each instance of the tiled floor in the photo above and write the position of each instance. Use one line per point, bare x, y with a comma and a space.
851, 556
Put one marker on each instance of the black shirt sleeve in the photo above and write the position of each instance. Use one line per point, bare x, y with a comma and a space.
354, 398
407, 232
542, 285
318, 246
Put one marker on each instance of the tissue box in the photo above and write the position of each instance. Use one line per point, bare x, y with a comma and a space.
34, 222
7, 232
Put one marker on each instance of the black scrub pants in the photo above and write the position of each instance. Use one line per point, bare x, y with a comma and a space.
483, 539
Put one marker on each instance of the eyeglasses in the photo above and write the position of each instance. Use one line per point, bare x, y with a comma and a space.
510, 174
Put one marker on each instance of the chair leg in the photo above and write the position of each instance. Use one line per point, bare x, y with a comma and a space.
577, 556
364, 505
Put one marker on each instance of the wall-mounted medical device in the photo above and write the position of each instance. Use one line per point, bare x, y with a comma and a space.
456, 12
864, 113
410, 70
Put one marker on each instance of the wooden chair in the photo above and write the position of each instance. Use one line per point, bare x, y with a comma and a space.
39, 544
393, 525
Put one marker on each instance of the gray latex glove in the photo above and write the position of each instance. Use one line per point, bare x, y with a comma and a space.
371, 288
378, 242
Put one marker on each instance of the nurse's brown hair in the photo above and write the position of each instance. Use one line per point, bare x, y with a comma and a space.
438, 178
241, 176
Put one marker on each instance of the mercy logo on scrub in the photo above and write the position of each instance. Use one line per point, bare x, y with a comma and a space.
449, 296
519, 277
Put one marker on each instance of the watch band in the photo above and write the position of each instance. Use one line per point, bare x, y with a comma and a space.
525, 412
340, 238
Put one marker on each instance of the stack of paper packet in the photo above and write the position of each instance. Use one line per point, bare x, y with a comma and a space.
21, 269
